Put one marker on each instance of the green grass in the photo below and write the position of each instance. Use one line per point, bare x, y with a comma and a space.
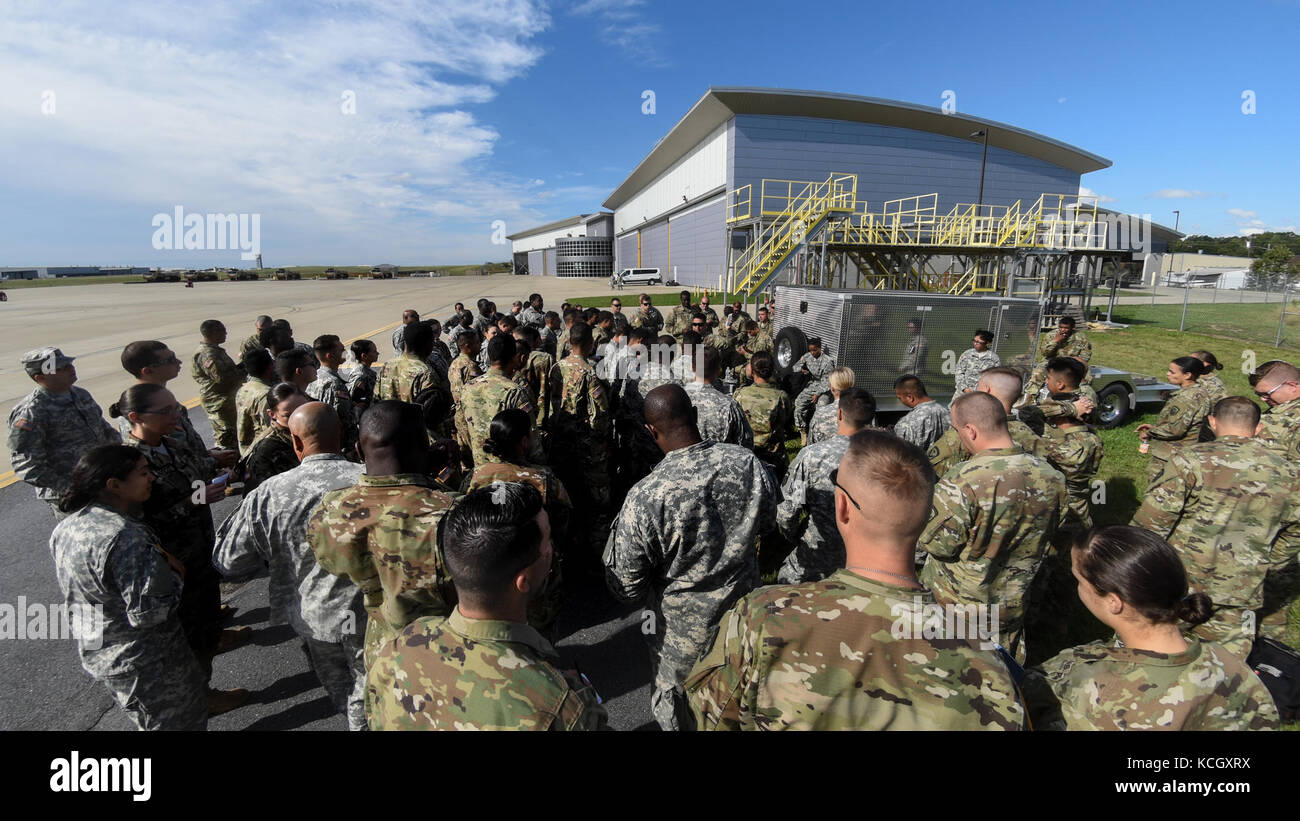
1255, 323
20, 284
669, 300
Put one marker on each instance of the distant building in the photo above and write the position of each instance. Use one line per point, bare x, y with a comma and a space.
53, 272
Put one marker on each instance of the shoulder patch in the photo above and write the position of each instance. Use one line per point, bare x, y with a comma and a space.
23, 424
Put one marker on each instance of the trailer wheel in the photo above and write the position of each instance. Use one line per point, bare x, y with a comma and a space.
788, 347
1112, 406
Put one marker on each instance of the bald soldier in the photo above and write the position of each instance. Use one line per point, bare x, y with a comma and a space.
993, 517
269, 530
806, 515
849, 652
1230, 507
382, 533
1004, 384
926, 419
484, 667
686, 542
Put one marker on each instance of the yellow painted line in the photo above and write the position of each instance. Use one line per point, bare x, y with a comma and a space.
7, 479
375, 332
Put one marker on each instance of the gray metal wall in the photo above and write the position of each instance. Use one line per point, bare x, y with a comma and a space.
601, 227
625, 251
890, 162
654, 248
535, 263
699, 245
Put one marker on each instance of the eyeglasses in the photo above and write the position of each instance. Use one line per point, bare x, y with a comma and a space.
1267, 394
835, 480
172, 411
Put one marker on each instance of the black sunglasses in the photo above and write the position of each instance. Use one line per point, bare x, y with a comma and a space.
835, 480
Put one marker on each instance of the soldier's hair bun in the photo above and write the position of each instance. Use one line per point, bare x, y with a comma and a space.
114, 411
1195, 608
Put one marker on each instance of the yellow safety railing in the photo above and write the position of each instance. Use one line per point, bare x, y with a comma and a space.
803, 209
740, 204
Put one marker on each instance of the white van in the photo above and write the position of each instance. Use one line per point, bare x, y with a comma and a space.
641, 276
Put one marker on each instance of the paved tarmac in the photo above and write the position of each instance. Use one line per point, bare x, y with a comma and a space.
43, 684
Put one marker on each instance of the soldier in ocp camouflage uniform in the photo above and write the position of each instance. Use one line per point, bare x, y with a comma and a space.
483, 398
491, 672
1064, 342
648, 316
974, 361
1103, 687
254, 341
218, 379
1228, 507
580, 429
464, 368
752, 341
536, 374
382, 533
110, 560
993, 517
1278, 384
685, 541
54, 425
250, 400
769, 411
1180, 419
679, 318
820, 656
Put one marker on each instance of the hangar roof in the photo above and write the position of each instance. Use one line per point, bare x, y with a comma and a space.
721, 103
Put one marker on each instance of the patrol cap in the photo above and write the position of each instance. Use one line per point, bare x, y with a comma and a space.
35, 361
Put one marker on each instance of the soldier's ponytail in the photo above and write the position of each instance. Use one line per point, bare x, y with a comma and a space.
509, 427
93, 471
134, 399
1143, 570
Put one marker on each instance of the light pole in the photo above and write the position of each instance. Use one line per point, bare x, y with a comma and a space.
984, 132
1177, 215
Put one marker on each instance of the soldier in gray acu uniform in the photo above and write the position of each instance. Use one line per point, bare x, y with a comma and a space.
686, 540
718, 416
109, 564
818, 366
927, 420
54, 425
819, 548
270, 529
975, 361
331, 389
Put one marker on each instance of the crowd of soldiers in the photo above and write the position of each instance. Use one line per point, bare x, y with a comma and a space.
422, 522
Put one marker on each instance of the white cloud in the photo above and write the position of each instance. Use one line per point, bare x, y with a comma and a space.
238, 108
1241, 213
1084, 191
1177, 194
1061, 99
623, 25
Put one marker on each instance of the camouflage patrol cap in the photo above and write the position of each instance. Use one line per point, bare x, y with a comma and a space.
35, 361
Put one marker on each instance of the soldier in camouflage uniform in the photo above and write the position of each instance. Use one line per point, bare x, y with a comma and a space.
648, 316
534, 313
410, 378
927, 420
765, 326
1004, 385
974, 361
483, 667
483, 398
270, 530
718, 416
464, 368
272, 453
1064, 342
851, 652
751, 341
993, 517
710, 315
1153, 677
1228, 507
218, 379
399, 333
183, 525
824, 419
254, 341
818, 366
362, 378
580, 430
769, 412
806, 515
250, 400
1180, 419
382, 533
686, 540
536, 374
735, 323
54, 425
918, 350
123, 593
1278, 385
330, 388
679, 319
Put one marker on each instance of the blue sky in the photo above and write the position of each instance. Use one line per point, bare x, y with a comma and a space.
525, 112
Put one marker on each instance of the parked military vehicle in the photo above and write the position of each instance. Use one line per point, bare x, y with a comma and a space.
872, 332
240, 275
163, 276
284, 273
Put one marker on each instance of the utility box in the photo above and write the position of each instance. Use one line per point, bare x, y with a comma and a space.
869, 332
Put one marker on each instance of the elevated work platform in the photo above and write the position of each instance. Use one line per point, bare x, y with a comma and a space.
820, 233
